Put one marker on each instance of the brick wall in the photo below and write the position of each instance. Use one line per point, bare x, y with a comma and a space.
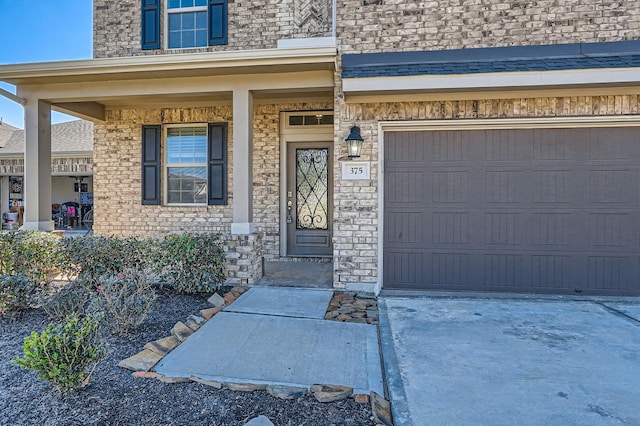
356, 202
244, 263
252, 24
117, 169
402, 25
117, 181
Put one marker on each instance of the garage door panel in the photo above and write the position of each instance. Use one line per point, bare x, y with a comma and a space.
528, 210
405, 187
612, 273
553, 186
608, 185
406, 227
504, 186
552, 272
449, 227
449, 146
553, 229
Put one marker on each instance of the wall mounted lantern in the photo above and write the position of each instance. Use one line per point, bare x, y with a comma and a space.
354, 142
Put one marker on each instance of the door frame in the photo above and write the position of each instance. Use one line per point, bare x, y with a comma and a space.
476, 124
320, 133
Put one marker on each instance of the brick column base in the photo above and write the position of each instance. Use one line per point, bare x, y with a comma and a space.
244, 258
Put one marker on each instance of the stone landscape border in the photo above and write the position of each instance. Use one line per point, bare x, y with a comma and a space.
344, 306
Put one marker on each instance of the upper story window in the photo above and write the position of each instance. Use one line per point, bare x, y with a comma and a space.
187, 23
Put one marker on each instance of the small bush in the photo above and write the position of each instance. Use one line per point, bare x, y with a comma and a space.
17, 293
33, 254
72, 299
125, 299
190, 262
63, 353
91, 257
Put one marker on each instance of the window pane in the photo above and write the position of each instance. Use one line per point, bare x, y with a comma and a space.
174, 21
188, 39
201, 2
188, 21
173, 4
201, 38
201, 20
187, 145
187, 185
175, 41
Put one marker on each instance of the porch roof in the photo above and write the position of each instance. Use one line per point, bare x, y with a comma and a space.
83, 88
172, 65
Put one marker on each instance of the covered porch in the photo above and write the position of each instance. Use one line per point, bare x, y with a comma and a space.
247, 91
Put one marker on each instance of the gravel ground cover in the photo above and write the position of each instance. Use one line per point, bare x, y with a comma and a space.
115, 397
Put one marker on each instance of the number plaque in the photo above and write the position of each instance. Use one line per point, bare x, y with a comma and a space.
356, 170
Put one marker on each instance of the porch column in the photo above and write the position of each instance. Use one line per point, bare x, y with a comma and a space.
242, 162
37, 165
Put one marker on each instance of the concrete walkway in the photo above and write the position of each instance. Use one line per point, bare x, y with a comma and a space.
502, 361
277, 336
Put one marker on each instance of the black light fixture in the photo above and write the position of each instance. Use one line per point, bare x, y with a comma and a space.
354, 142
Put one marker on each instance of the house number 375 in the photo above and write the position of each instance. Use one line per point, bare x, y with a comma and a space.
356, 170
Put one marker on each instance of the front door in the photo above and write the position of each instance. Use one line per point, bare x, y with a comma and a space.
309, 195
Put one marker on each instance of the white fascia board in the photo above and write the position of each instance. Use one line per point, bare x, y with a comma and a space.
491, 81
304, 42
170, 62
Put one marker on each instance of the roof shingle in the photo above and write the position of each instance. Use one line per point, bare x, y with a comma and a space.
625, 54
70, 137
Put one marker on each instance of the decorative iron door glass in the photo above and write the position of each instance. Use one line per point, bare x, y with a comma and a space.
311, 188
308, 199
187, 165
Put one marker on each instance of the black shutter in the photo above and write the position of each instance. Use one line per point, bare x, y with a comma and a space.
150, 24
217, 22
217, 163
151, 164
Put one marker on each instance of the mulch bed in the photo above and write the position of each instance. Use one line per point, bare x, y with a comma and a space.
115, 397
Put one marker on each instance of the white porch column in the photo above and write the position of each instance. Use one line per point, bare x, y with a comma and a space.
37, 165
242, 162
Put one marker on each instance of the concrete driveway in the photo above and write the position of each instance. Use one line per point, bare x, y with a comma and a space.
505, 361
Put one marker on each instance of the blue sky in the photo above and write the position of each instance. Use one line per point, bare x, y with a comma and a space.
39, 31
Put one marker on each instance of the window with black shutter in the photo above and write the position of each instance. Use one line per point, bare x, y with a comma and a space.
193, 168
188, 23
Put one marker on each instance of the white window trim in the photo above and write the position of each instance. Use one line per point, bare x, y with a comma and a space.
204, 8
165, 165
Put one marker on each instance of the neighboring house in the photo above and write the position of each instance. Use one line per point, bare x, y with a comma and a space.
500, 138
71, 164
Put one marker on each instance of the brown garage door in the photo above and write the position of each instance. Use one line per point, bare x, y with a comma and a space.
527, 210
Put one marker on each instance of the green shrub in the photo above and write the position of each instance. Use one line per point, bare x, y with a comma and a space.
191, 262
6, 252
63, 353
91, 257
125, 299
72, 299
17, 293
33, 254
